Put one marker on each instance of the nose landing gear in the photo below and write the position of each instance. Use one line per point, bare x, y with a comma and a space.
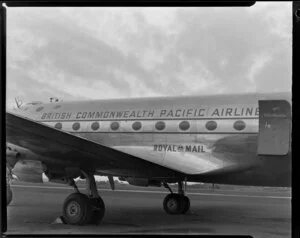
176, 203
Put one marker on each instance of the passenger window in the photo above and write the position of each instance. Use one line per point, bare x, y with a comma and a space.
160, 125
114, 126
76, 126
136, 126
95, 126
184, 125
211, 125
58, 125
239, 125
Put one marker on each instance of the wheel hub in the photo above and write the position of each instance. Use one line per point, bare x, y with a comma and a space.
172, 204
73, 209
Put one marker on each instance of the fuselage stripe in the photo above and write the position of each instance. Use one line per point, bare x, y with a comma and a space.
164, 132
155, 119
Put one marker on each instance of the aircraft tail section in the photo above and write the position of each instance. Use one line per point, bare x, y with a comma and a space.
275, 122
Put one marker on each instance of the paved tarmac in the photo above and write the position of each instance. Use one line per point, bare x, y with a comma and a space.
260, 214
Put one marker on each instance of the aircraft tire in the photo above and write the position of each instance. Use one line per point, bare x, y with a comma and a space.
77, 209
186, 204
9, 195
173, 204
98, 210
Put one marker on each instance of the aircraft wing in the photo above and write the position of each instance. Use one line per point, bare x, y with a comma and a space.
64, 149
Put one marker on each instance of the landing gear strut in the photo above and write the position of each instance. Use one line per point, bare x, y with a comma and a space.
176, 203
9, 194
81, 209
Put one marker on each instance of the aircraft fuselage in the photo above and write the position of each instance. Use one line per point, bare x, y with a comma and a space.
208, 138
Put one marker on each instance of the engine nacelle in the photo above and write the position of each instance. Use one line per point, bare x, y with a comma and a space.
62, 175
12, 157
56, 177
62, 180
16, 153
12, 154
141, 182
29, 171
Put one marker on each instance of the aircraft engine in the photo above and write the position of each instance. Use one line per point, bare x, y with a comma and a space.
57, 178
29, 171
12, 156
62, 175
18, 162
141, 182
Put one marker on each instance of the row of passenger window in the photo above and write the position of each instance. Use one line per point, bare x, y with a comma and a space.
160, 125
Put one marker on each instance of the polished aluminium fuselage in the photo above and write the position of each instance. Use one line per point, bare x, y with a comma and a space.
206, 138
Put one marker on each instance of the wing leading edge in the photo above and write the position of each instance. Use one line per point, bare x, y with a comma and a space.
66, 149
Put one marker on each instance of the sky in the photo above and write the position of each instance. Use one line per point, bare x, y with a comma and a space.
101, 53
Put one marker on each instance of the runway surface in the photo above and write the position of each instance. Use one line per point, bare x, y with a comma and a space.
260, 213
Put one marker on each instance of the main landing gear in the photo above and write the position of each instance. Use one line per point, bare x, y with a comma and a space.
81, 209
176, 203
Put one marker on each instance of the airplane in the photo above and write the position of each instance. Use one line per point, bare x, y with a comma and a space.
240, 139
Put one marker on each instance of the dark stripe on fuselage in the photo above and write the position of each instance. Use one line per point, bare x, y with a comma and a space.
156, 119
164, 132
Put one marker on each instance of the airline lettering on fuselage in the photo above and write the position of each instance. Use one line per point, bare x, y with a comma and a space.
179, 148
163, 113
57, 115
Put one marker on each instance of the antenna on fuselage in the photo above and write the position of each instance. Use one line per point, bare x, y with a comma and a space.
19, 102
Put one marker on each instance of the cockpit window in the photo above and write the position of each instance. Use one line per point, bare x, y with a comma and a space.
34, 103
39, 109
31, 104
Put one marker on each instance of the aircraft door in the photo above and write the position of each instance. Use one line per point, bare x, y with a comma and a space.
274, 127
